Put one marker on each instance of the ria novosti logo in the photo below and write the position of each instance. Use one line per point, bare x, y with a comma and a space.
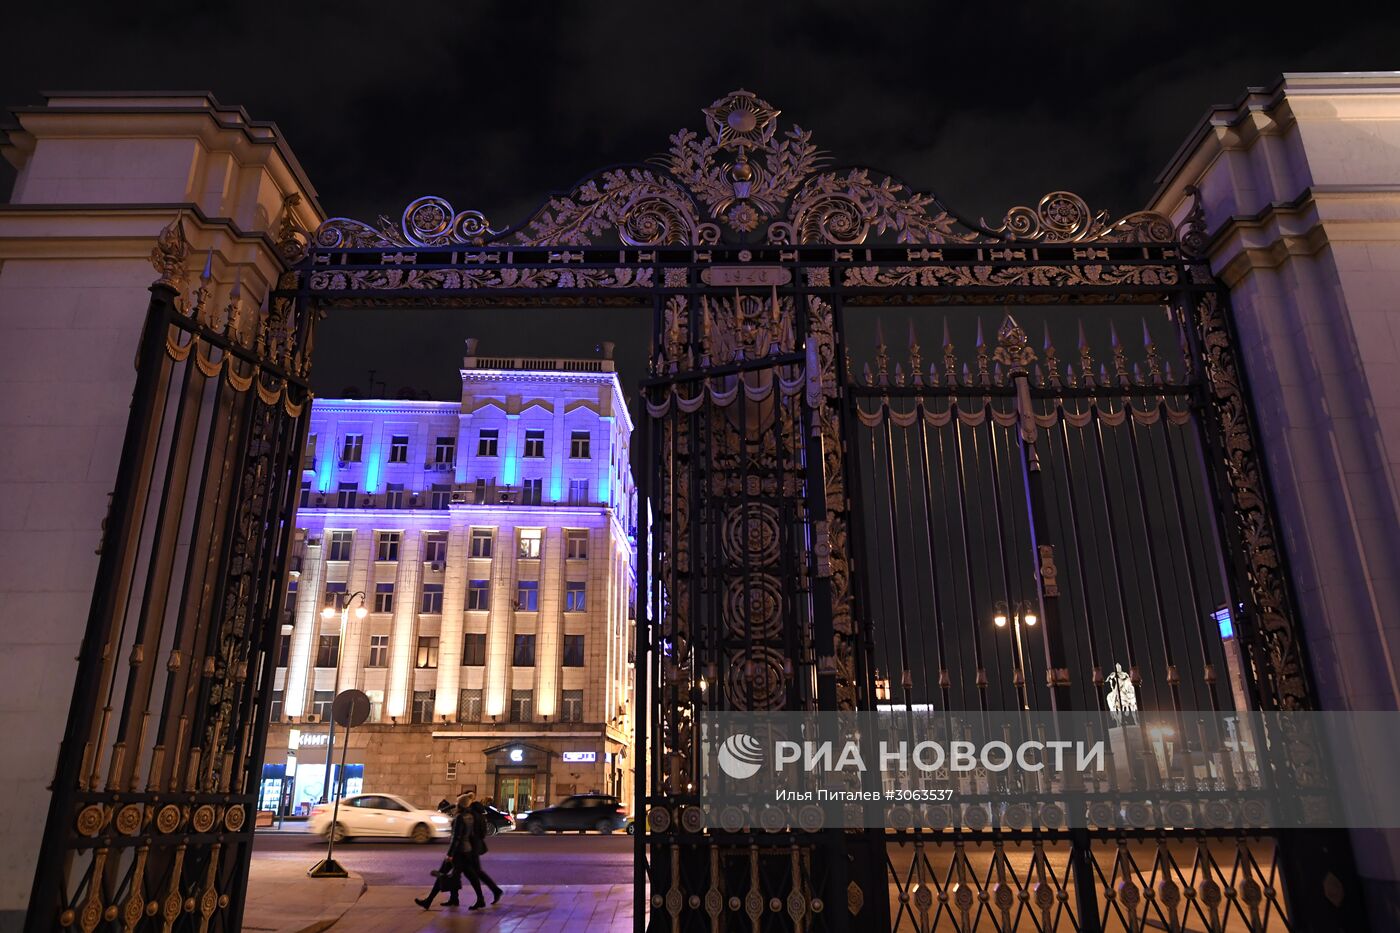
740, 756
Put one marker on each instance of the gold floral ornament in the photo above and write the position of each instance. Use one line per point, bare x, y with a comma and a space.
169, 254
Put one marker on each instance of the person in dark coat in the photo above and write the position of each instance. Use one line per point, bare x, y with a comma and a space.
468, 842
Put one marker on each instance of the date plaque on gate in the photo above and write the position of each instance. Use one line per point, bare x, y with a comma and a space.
739, 276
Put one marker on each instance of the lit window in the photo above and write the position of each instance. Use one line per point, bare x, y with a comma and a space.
578, 445
530, 539
576, 545
481, 542
486, 442
534, 444
427, 656
398, 448
479, 594
432, 598
574, 597
527, 596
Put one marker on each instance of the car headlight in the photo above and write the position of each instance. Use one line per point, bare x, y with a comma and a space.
441, 820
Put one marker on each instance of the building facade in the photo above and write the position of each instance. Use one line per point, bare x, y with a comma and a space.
471, 567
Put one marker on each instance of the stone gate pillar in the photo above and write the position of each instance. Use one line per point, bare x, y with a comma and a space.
1300, 186
98, 177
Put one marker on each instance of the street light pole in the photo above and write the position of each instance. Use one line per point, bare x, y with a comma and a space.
1024, 615
329, 613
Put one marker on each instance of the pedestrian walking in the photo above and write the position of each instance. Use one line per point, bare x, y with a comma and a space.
467, 845
446, 878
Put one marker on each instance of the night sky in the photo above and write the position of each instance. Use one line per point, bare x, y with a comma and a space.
494, 105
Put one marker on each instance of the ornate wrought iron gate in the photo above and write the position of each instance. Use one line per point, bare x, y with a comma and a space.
151, 820
817, 540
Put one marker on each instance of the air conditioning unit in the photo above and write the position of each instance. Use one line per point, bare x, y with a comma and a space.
344, 464
435, 566
311, 718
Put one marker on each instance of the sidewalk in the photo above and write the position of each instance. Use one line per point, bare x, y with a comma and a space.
583, 908
281, 899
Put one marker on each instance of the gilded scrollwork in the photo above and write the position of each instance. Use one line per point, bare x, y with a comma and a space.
394, 279
1276, 622
745, 173
989, 276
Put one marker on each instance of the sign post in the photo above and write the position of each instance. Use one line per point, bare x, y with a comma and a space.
352, 708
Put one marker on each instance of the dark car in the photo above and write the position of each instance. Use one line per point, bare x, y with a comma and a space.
602, 812
498, 821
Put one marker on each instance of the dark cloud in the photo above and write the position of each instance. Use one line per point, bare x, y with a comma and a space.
493, 105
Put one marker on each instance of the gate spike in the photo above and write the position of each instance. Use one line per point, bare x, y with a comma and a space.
869, 379
950, 357
1146, 337
1137, 373
997, 376
1113, 335
916, 359
1039, 372
882, 356
983, 377
1069, 375
966, 375
933, 374
899, 374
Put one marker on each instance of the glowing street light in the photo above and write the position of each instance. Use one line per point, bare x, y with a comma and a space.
1023, 615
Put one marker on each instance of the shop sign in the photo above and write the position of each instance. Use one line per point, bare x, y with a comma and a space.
579, 756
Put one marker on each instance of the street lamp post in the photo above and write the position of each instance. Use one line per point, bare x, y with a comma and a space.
1024, 614
329, 613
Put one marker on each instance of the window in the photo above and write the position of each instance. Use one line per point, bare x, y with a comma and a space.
335, 596
387, 545
530, 543
534, 444
469, 705
289, 604
427, 656
532, 492
571, 706
445, 450
486, 442
345, 497
479, 594
284, 649
524, 651
481, 542
378, 651
527, 596
480, 492
441, 496
339, 545
435, 546
574, 598
576, 545
578, 445
398, 448
327, 650
351, 450
321, 701
376, 705
522, 705
573, 651
384, 597
432, 598
474, 649
393, 496
422, 706
578, 492
305, 501
275, 708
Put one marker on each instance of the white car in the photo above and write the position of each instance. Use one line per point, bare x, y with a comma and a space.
379, 815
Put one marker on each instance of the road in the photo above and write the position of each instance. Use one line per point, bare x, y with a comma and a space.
512, 858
